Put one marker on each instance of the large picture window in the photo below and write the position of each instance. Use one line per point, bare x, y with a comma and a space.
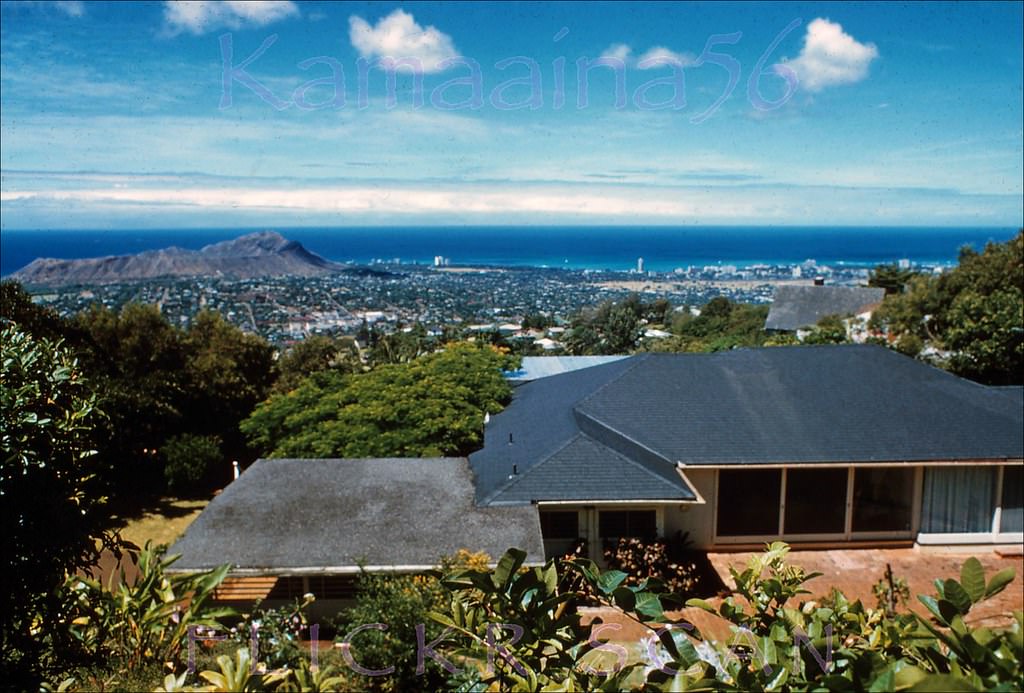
559, 524
815, 501
883, 499
640, 524
969, 503
748, 502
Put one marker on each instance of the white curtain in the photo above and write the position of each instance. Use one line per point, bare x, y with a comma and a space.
958, 499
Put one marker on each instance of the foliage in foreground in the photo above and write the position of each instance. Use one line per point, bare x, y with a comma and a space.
402, 602
51, 513
836, 645
519, 628
144, 620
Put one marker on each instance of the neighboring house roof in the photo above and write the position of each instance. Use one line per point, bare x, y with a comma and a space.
546, 439
794, 307
534, 367
781, 405
314, 516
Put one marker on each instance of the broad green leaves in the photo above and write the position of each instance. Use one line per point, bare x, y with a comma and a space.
834, 645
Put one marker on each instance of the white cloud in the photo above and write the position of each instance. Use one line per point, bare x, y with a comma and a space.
72, 8
617, 51
660, 56
201, 16
830, 57
399, 37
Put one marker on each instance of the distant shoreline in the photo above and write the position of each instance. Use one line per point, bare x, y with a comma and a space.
469, 248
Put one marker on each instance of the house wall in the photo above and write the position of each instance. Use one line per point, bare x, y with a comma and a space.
698, 520
695, 519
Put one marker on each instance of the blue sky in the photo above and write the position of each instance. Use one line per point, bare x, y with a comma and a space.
135, 115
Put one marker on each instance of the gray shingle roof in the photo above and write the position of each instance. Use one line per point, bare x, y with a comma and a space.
794, 307
596, 472
331, 515
791, 405
542, 421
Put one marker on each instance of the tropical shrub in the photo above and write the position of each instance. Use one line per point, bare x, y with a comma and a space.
401, 604
146, 619
835, 645
276, 633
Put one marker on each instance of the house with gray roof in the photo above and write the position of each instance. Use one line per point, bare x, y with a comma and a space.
796, 308
292, 526
823, 445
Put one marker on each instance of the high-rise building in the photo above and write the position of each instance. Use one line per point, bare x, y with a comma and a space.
640, 265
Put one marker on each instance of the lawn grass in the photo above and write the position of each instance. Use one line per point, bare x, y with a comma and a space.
162, 522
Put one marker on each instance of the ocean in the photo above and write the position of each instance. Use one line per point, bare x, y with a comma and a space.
614, 248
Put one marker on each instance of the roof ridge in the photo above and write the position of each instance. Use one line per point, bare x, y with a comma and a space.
628, 438
583, 436
631, 461
513, 481
637, 358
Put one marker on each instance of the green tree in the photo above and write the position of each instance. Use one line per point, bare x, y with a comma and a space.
975, 312
722, 324
228, 372
401, 346
16, 306
191, 463
982, 316
52, 509
613, 327
829, 330
137, 360
890, 277
313, 354
433, 405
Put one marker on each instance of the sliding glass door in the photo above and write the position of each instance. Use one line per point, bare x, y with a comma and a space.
883, 500
815, 504
1011, 519
748, 502
815, 501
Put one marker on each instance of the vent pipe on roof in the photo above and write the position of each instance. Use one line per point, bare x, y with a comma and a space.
234, 467
487, 417
509, 438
